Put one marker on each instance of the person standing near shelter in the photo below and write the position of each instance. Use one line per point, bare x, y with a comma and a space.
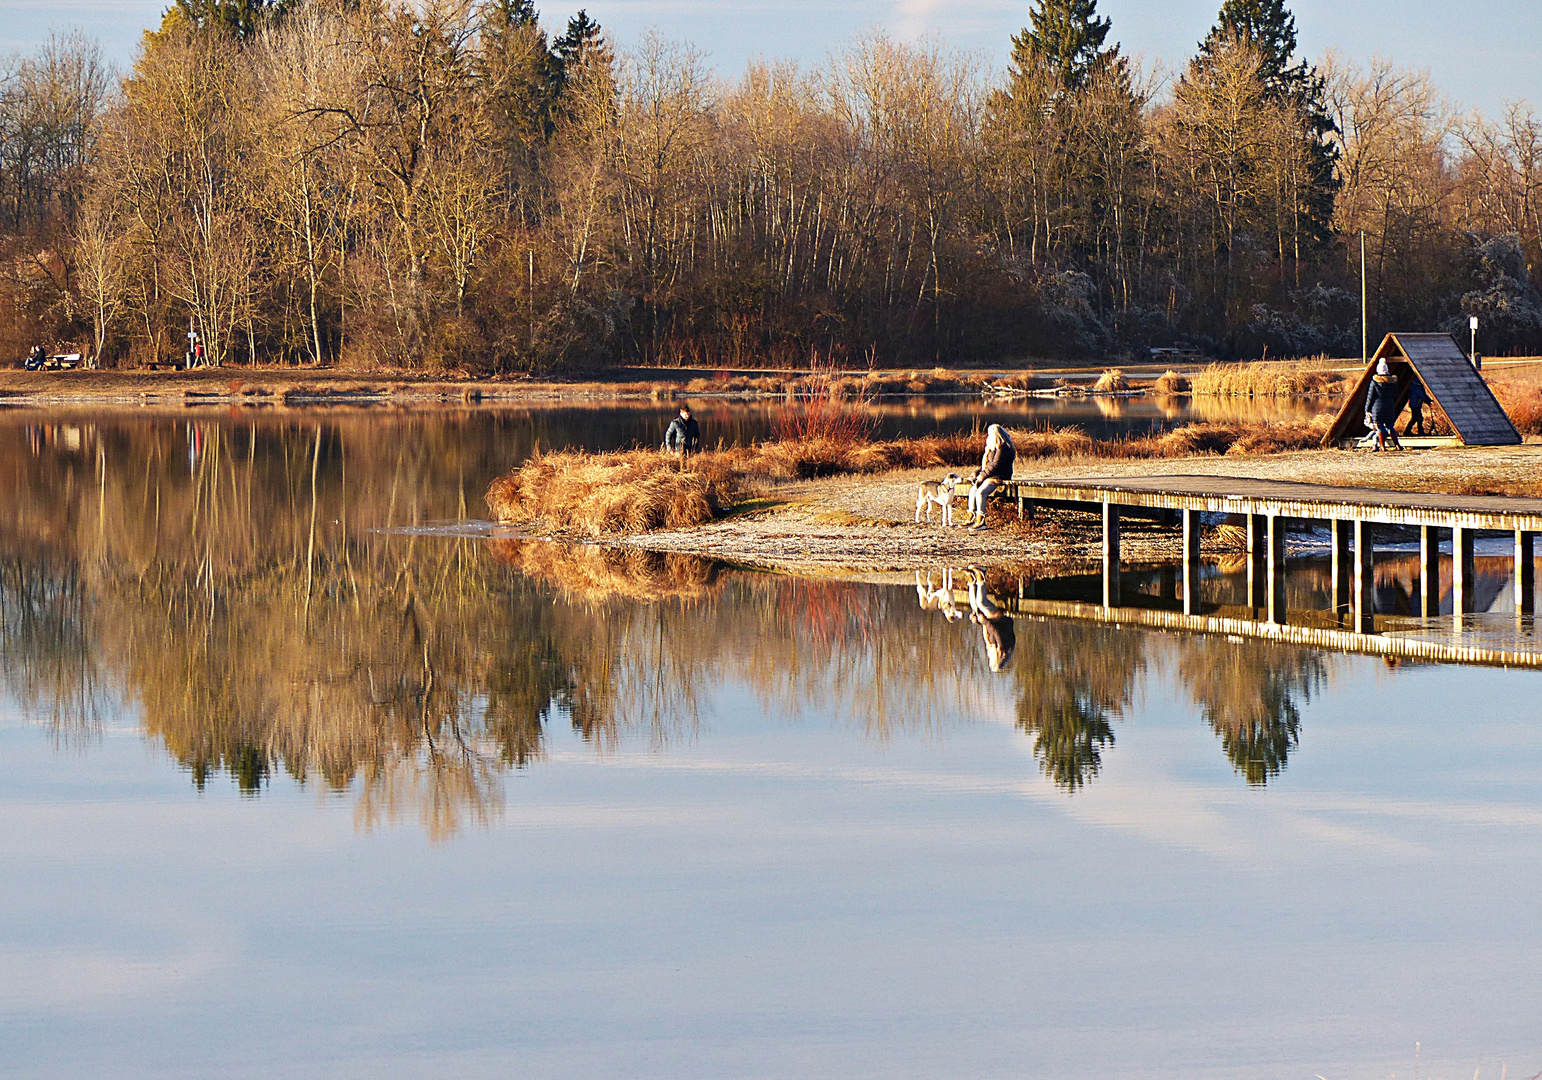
995, 466
684, 434
1417, 396
1381, 406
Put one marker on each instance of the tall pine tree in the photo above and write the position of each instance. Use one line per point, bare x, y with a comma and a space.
1065, 40
1270, 29
243, 18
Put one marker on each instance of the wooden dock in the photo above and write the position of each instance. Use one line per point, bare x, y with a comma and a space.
1268, 506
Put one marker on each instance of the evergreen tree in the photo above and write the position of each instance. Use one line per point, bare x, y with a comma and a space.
1269, 27
569, 50
242, 18
1065, 41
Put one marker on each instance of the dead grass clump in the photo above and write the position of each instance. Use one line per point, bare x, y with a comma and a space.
1052, 442
1274, 378
629, 492
1111, 381
1170, 383
1228, 537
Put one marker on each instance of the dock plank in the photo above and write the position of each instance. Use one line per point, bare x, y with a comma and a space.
1240, 495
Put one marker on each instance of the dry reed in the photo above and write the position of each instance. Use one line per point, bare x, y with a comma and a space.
1170, 383
1111, 381
1285, 378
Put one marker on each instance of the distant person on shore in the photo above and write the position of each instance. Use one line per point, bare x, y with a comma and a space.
35, 358
684, 434
995, 467
1417, 396
996, 626
1381, 406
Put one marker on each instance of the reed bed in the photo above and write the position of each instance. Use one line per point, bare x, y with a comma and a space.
636, 491
840, 385
1520, 395
1170, 383
1283, 378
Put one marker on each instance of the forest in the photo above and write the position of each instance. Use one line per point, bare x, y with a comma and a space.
450, 185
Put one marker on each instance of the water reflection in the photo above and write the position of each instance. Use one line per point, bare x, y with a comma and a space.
1248, 692
227, 585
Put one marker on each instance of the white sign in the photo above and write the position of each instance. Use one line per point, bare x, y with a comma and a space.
1473, 322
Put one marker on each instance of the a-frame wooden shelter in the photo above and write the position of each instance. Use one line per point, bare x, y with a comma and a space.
1454, 384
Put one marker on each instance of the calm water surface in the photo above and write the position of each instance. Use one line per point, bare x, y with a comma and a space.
287, 795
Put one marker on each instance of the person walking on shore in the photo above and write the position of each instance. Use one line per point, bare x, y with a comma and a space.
1417, 396
995, 466
684, 434
1381, 407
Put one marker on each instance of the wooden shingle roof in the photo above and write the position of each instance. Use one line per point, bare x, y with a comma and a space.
1454, 384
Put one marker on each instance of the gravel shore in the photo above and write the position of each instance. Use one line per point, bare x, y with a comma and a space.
865, 523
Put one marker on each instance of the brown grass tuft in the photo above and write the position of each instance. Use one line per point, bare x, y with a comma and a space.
628, 492
1111, 381
1170, 383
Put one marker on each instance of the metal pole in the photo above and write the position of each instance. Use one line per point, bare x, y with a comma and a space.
1365, 330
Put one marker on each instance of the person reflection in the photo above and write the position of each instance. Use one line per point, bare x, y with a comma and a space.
1247, 693
995, 625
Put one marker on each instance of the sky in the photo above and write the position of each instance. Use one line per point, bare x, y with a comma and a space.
1480, 55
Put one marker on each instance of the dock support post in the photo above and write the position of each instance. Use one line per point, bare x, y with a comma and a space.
1365, 576
1525, 572
1276, 528
1343, 564
1190, 561
1258, 560
1110, 554
1429, 571
1463, 577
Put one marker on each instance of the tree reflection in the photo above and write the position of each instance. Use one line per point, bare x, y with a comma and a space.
1247, 691
229, 582
1073, 680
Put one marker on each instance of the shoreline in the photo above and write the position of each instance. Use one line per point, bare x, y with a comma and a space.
863, 523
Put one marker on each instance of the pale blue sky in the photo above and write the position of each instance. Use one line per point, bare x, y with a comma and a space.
1479, 54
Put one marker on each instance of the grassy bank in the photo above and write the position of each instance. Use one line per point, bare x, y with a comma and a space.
637, 491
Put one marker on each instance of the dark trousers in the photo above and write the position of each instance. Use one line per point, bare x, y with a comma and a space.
1415, 419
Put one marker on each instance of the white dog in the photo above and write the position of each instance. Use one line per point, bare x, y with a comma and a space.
939, 493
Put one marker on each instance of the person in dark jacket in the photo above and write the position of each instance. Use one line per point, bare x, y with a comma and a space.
995, 467
35, 358
683, 434
1381, 406
1417, 396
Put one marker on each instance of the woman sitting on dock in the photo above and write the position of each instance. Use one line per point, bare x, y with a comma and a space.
995, 467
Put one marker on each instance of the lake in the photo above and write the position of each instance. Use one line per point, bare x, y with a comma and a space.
293, 788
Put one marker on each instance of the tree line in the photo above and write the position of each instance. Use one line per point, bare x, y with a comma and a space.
445, 185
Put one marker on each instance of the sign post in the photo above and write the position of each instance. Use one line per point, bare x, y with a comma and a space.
1472, 324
